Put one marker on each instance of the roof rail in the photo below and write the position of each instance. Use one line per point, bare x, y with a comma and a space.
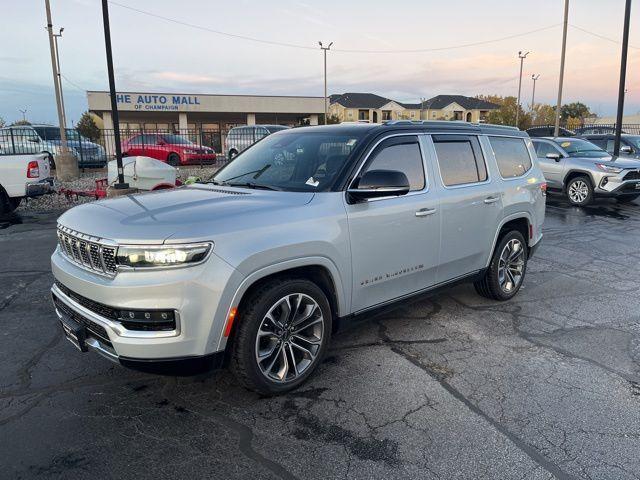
458, 123
495, 125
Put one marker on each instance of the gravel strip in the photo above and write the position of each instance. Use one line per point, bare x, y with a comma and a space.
58, 201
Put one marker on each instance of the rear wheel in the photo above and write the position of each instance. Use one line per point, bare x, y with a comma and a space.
283, 334
580, 191
627, 198
507, 269
7, 204
232, 154
173, 159
52, 162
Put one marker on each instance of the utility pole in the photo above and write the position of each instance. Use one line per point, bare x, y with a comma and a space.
556, 131
535, 78
24, 114
57, 52
521, 56
56, 84
623, 75
120, 185
326, 105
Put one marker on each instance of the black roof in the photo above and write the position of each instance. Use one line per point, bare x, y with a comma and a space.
469, 103
361, 129
371, 100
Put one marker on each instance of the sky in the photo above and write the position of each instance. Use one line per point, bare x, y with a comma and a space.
152, 54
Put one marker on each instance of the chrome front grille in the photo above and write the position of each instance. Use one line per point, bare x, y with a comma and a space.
88, 252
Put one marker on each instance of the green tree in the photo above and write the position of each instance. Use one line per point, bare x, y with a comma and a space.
87, 127
333, 119
506, 114
543, 114
21, 122
577, 110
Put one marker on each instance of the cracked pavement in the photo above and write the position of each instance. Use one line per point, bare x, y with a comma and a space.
448, 386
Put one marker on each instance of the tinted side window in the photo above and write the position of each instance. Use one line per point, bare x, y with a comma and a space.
543, 148
512, 156
137, 140
401, 154
460, 159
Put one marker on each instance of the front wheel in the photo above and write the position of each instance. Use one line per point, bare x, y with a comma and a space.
580, 191
506, 271
283, 333
173, 160
232, 154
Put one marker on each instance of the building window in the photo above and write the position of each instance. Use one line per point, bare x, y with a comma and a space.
413, 114
457, 115
386, 115
363, 115
350, 114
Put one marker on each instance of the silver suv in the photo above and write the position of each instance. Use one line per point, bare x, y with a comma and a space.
304, 230
240, 138
583, 170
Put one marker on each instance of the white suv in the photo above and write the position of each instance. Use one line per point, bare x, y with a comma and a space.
304, 230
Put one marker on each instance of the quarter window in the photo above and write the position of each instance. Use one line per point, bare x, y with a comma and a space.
512, 156
460, 159
401, 154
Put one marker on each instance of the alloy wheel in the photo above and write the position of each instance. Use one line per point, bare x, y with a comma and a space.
289, 338
578, 191
511, 265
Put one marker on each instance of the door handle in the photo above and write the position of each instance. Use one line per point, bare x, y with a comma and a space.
490, 200
423, 212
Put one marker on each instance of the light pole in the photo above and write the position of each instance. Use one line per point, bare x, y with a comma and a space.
623, 74
521, 56
556, 130
24, 114
120, 185
56, 84
57, 53
535, 78
326, 106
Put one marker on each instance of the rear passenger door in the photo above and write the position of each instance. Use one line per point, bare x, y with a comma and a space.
395, 241
552, 169
470, 205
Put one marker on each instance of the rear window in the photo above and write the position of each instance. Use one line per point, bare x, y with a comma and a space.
460, 159
512, 156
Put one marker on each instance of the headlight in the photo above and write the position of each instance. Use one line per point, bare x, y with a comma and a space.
141, 256
608, 168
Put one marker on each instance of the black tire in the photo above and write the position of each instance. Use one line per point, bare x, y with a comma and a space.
627, 198
244, 363
232, 154
173, 159
490, 286
583, 184
52, 162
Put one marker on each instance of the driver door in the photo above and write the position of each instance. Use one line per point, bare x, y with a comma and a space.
395, 241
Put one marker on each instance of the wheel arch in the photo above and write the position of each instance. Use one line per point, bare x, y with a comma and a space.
571, 174
518, 221
320, 270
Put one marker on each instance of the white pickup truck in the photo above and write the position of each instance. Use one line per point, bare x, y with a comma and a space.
23, 176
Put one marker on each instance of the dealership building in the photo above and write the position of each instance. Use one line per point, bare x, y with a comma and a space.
181, 112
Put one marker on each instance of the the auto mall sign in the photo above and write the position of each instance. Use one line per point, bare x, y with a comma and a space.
156, 102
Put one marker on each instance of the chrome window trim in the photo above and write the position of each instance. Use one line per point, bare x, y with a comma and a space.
372, 149
116, 327
484, 159
528, 171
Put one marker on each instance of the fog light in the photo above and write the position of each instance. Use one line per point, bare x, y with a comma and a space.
147, 320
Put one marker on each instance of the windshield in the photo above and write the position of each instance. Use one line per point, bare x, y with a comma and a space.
291, 161
72, 134
48, 133
582, 148
633, 140
176, 140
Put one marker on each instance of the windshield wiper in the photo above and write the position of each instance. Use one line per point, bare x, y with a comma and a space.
258, 172
257, 186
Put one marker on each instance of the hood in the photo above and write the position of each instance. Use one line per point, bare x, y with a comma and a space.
622, 162
191, 213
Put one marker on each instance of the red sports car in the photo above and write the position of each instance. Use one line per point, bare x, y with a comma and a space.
174, 149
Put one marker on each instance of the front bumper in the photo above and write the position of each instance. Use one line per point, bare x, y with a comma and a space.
193, 293
41, 187
616, 185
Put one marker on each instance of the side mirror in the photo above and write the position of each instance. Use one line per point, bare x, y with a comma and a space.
554, 156
33, 139
626, 149
380, 183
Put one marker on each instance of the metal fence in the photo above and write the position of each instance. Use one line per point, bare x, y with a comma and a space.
588, 128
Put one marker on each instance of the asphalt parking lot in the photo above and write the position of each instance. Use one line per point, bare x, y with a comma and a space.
452, 386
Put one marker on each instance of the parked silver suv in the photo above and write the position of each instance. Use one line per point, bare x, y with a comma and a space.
240, 138
583, 170
304, 230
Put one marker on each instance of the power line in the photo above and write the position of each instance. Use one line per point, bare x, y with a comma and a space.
305, 47
73, 84
608, 39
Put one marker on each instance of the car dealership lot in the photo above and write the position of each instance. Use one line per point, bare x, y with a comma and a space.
451, 386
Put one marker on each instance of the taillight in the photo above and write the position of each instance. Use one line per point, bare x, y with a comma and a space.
33, 170
543, 188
